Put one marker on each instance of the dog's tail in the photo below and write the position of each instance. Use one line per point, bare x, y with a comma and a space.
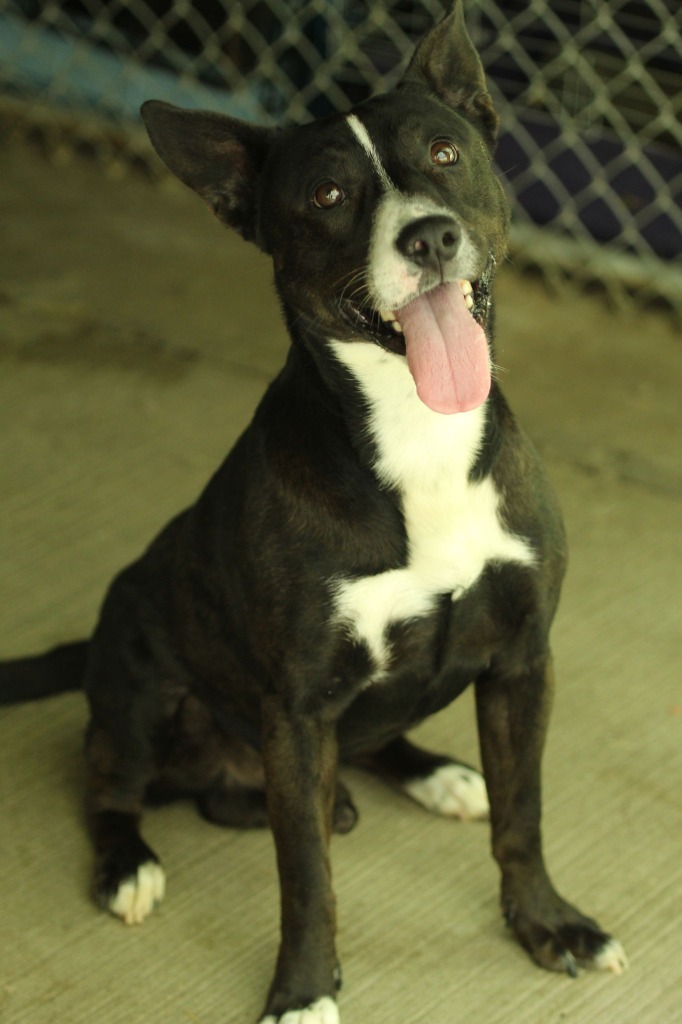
43, 675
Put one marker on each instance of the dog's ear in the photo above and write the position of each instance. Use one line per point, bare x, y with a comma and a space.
447, 62
219, 157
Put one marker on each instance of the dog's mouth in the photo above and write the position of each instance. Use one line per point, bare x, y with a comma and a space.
442, 334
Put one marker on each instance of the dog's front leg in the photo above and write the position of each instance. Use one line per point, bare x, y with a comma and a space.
513, 711
300, 756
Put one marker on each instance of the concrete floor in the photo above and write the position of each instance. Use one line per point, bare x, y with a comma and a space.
135, 339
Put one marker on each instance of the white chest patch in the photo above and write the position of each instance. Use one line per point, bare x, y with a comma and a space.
453, 526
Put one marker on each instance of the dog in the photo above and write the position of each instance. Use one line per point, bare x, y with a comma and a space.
381, 536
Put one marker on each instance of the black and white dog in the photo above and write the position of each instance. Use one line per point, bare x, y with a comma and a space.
381, 536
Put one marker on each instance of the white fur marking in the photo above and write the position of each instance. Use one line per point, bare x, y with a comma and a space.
323, 1011
611, 957
362, 135
454, 791
453, 526
137, 896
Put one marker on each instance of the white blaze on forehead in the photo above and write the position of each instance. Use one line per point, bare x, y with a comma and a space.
362, 135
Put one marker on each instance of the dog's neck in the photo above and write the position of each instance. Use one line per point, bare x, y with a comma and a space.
373, 393
411, 442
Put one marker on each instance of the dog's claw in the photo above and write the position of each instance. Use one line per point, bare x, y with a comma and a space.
571, 966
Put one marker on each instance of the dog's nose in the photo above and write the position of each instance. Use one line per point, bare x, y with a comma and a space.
429, 241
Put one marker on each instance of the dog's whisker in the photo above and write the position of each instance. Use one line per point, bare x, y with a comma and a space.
357, 289
497, 371
352, 275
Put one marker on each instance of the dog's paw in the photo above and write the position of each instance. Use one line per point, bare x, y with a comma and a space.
138, 894
452, 790
323, 1011
570, 948
568, 945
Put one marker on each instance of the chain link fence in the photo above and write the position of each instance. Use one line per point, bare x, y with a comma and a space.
590, 93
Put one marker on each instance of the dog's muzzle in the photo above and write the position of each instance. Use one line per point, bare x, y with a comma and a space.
382, 326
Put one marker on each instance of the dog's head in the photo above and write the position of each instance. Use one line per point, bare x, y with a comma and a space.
384, 224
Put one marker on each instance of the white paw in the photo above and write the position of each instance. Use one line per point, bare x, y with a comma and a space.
138, 895
611, 957
324, 1011
452, 790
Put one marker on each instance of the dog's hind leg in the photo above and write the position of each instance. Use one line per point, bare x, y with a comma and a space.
233, 807
224, 773
243, 807
437, 782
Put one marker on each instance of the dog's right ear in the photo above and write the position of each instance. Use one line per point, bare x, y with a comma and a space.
219, 157
447, 62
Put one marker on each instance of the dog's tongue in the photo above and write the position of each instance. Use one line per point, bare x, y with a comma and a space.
447, 351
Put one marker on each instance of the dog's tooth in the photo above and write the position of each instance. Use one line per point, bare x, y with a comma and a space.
396, 327
466, 287
469, 301
386, 315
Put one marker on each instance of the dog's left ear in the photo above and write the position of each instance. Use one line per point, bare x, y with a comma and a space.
446, 60
219, 157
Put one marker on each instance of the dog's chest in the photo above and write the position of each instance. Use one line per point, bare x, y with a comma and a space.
454, 528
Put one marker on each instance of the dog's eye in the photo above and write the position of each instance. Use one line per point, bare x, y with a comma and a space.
328, 194
443, 153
